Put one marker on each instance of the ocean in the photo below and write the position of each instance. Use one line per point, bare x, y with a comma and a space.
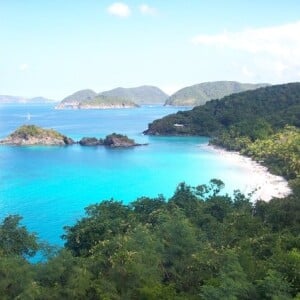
49, 186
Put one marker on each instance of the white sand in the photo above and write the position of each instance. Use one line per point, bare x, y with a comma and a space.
267, 185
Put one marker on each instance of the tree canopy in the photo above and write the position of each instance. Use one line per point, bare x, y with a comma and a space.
199, 244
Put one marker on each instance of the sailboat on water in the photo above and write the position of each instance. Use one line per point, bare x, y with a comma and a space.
28, 117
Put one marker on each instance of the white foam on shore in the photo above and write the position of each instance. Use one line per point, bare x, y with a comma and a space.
265, 184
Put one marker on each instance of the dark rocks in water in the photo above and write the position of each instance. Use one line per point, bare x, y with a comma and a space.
68, 140
90, 141
113, 140
118, 140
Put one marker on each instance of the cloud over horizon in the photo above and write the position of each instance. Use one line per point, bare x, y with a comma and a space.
278, 46
119, 9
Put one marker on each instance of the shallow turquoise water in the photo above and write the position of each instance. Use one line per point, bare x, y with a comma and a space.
50, 186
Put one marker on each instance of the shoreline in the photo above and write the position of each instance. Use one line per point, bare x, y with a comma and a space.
266, 184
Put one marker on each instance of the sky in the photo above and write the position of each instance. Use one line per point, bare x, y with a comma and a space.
53, 48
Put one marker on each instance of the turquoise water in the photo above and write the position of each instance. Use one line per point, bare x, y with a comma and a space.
50, 186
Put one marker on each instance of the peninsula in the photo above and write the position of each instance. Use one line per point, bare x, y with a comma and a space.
262, 124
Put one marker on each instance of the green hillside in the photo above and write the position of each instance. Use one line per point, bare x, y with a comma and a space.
141, 95
79, 96
73, 100
199, 94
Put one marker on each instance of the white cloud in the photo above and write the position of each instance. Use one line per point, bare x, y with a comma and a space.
23, 67
145, 9
172, 88
119, 9
276, 48
280, 41
247, 73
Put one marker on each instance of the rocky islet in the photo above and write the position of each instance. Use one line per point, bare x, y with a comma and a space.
30, 135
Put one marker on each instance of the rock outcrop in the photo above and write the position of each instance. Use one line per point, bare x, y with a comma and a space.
113, 140
91, 141
118, 140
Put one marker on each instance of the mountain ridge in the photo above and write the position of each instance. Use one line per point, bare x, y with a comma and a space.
116, 98
19, 99
199, 94
145, 94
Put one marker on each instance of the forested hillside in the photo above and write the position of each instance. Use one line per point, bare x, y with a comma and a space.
275, 105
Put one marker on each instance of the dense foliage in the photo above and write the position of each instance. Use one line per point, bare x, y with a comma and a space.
197, 245
280, 151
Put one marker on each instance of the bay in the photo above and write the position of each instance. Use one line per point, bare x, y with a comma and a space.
51, 186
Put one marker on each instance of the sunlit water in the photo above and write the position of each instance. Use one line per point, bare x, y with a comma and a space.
51, 186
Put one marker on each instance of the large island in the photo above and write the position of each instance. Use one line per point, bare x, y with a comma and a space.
116, 98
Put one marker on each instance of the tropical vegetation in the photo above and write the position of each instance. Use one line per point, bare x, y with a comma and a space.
198, 244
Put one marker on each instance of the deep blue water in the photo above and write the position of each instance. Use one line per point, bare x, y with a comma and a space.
51, 186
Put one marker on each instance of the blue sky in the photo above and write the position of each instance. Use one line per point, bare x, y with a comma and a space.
56, 47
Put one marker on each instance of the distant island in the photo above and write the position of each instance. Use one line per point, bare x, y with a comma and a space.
6, 99
141, 95
116, 98
199, 94
29, 135
120, 97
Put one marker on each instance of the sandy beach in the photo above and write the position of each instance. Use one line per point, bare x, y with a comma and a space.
267, 185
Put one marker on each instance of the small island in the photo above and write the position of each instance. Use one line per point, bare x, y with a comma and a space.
30, 135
